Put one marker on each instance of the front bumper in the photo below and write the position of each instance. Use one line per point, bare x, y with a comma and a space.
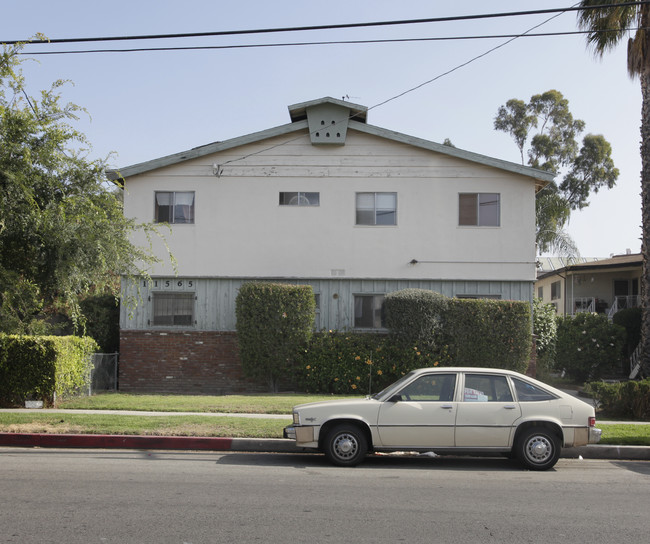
594, 435
289, 432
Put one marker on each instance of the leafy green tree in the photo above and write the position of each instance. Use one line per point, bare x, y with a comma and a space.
62, 231
607, 27
546, 133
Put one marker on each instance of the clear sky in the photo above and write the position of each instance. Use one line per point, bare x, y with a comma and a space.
145, 105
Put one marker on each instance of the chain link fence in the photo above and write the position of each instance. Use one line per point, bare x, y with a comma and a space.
103, 374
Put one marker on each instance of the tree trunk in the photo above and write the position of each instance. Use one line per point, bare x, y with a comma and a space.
645, 220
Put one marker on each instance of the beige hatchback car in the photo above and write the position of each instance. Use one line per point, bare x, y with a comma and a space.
450, 410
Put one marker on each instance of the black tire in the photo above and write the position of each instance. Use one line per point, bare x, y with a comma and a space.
538, 449
345, 445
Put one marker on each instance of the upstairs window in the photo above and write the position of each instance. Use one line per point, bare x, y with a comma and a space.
299, 199
479, 209
376, 209
174, 207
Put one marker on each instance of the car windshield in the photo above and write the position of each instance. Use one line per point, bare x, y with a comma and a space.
393, 386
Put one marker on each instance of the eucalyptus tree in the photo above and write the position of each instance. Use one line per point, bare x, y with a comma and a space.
62, 231
546, 135
609, 22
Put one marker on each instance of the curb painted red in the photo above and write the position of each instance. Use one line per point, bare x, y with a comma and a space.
115, 441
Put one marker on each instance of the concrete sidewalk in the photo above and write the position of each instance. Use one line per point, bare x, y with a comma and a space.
259, 445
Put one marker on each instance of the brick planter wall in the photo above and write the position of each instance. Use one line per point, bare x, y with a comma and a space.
187, 362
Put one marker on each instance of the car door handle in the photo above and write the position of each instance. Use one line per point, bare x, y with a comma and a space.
447, 406
510, 407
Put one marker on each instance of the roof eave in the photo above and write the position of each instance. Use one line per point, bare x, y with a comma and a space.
541, 177
201, 151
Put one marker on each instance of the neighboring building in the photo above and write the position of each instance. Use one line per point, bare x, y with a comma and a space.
602, 286
354, 210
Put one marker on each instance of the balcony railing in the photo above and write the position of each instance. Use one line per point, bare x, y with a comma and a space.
624, 302
584, 304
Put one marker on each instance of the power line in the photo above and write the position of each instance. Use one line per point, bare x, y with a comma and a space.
419, 86
321, 43
324, 27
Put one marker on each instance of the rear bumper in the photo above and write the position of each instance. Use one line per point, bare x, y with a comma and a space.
594, 435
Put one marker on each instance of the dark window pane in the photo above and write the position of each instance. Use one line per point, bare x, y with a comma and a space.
527, 392
467, 209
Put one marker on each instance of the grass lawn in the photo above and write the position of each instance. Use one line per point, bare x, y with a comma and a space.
230, 404
625, 434
220, 426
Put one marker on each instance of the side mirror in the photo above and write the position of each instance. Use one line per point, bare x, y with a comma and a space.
395, 398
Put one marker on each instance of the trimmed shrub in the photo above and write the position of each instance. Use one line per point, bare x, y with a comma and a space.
588, 346
489, 333
274, 322
545, 330
416, 318
624, 400
43, 367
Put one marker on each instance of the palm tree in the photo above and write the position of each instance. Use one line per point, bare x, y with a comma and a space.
607, 27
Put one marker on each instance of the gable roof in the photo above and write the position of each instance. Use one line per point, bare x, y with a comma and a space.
356, 120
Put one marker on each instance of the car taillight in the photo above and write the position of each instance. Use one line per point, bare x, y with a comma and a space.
592, 421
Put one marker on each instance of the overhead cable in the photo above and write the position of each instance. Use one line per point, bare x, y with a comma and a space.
323, 27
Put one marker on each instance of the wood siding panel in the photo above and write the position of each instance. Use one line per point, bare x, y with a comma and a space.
215, 304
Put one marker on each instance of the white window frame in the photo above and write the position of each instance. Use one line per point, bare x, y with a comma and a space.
377, 209
479, 219
173, 204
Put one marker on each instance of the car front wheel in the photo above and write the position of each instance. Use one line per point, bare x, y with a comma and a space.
345, 445
538, 449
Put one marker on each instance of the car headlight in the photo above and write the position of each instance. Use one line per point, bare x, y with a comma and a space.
296, 418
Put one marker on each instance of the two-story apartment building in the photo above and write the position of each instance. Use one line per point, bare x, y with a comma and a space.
356, 211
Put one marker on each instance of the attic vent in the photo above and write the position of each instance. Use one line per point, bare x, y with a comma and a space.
328, 124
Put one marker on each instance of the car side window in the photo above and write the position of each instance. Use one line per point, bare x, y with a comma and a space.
430, 388
527, 392
486, 388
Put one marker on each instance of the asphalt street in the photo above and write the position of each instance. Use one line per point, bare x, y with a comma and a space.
111, 496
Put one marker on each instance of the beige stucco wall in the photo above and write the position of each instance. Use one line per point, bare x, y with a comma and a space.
241, 231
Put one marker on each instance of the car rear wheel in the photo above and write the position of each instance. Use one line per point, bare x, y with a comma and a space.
345, 445
538, 449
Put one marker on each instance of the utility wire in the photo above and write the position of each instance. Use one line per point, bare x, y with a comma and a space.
412, 89
321, 43
324, 27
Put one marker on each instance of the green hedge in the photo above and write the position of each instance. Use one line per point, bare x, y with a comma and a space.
490, 333
416, 317
274, 322
43, 367
355, 363
625, 400
485, 333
